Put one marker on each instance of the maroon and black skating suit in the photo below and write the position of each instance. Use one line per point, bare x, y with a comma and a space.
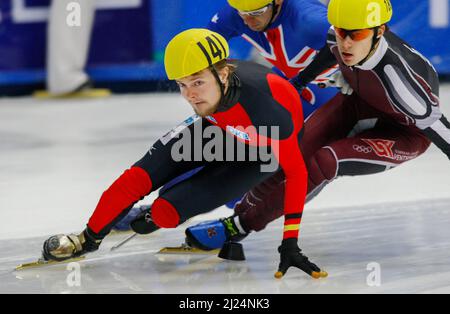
391, 118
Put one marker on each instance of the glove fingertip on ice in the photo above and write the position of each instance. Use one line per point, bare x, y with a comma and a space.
319, 274
279, 275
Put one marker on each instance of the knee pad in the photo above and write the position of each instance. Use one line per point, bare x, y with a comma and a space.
164, 214
322, 166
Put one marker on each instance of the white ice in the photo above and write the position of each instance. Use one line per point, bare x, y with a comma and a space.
57, 157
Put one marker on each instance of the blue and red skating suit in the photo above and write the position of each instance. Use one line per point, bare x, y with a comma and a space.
256, 101
290, 43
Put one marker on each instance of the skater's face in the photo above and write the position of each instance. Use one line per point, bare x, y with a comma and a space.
258, 20
355, 46
202, 91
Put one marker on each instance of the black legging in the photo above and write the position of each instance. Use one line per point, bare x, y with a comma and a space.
214, 185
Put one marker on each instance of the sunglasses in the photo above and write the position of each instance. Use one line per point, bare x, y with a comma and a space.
355, 35
255, 13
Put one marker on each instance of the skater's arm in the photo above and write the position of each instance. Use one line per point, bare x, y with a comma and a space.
439, 134
414, 90
296, 174
295, 194
286, 148
324, 60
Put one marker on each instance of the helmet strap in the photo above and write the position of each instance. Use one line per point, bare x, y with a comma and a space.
375, 42
275, 8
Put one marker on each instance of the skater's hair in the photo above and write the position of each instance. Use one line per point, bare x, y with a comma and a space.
219, 66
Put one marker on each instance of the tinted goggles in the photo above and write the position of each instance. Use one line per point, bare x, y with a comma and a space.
355, 35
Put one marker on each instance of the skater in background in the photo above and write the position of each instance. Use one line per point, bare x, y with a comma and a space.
68, 48
287, 33
391, 118
243, 102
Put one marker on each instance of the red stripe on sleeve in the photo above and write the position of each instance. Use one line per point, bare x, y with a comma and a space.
290, 235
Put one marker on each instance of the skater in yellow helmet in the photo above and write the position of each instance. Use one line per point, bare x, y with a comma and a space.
395, 88
236, 102
287, 33
249, 5
257, 14
199, 55
359, 26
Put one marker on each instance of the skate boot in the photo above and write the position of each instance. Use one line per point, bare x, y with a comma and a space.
212, 235
63, 247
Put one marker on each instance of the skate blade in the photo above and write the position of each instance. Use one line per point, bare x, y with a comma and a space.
42, 263
89, 93
186, 250
121, 232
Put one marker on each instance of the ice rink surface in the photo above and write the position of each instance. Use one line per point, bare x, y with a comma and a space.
57, 157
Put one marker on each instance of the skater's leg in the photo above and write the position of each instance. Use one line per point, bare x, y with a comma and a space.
158, 166
331, 122
207, 190
372, 151
183, 177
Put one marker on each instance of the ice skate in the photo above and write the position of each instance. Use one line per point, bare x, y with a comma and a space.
63, 247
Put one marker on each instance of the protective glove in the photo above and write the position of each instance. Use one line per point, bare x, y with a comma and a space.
337, 80
143, 223
291, 256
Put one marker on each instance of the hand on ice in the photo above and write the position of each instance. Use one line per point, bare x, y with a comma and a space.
291, 256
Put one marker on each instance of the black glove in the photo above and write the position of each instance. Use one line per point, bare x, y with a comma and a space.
291, 256
297, 84
143, 223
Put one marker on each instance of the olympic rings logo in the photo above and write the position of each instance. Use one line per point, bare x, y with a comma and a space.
363, 149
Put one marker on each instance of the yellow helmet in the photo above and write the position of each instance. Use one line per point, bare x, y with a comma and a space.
194, 50
249, 5
359, 14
